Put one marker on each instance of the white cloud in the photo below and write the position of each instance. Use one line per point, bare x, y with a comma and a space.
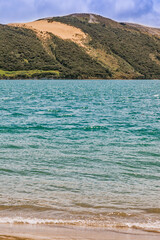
142, 11
121, 6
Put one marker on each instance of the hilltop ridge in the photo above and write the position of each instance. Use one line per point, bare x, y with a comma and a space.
83, 46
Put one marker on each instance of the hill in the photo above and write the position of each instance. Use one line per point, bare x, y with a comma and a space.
79, 46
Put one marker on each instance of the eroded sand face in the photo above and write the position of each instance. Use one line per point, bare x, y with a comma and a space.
61, 30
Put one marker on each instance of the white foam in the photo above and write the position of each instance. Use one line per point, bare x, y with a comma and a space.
148, 226
34, 221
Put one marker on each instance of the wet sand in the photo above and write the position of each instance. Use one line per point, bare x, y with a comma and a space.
26, 232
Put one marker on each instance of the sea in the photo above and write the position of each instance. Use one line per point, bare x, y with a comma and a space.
80, 152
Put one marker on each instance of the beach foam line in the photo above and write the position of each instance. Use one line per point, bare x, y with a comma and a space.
35, 221
148, 226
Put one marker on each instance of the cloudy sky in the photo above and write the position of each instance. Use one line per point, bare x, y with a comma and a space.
141, 11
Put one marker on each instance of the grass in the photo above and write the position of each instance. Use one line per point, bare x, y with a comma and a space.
27, 74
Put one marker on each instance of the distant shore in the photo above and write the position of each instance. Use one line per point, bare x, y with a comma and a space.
79, 46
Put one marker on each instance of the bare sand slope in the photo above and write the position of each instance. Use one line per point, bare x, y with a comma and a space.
61, 30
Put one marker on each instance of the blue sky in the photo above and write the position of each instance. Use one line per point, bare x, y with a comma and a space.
140, 11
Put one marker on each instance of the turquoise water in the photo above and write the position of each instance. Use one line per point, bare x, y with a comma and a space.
80, 152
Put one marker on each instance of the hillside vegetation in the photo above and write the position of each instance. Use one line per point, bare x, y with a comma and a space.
110, 50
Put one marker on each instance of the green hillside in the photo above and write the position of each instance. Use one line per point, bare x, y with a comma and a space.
113, 50
135, 50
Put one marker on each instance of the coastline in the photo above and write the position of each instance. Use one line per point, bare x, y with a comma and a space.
79, 79
27, 232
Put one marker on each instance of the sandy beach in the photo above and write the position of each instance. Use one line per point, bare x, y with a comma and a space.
18, 232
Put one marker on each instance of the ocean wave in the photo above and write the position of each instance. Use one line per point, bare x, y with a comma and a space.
147, 226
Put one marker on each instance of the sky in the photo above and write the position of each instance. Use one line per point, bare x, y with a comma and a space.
145, 12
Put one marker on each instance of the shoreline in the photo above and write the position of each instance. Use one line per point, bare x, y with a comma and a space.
27, 232
81, 79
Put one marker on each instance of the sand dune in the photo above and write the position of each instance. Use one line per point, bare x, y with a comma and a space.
61, 30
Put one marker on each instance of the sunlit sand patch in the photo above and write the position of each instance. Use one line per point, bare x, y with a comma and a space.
61, 30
